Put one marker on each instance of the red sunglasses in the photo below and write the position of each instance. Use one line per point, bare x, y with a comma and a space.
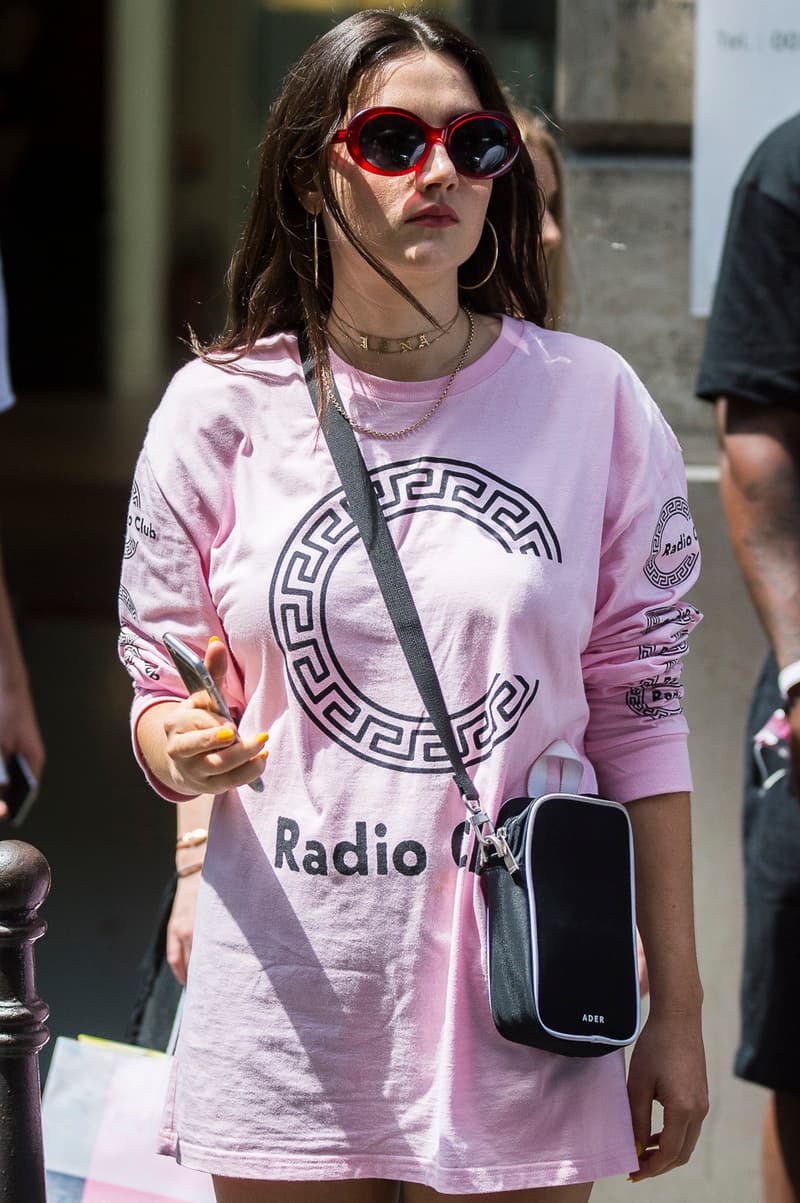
481, 145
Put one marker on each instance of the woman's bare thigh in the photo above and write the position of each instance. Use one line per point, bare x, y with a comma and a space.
361, 1190
378, 1190
579, 1193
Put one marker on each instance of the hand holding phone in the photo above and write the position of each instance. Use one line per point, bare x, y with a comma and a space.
18, 788
197, 678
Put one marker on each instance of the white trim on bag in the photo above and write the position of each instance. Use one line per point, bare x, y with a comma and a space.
592, 1039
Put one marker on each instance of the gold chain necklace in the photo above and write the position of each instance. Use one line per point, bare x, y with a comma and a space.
393, 346
399, 434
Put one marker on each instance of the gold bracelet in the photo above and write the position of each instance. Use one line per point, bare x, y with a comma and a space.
188, 870
192, 839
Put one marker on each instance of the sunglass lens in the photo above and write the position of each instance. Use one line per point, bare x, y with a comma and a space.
391, 142
481, 146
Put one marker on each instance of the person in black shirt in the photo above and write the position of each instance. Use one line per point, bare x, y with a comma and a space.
751, 371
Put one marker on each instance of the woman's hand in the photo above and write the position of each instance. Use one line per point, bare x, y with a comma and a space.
180, 927
19, 730
668, 1063
667, 1066
193, 824
192, 749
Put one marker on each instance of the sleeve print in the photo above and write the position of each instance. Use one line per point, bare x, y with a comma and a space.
633, 662
674, 551
134, 656
673, 561
666, 641
164, 587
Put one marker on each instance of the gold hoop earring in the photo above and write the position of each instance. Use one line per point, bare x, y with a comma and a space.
490, 273
316, 252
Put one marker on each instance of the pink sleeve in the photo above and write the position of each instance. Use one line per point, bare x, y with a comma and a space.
164, 587
637, 733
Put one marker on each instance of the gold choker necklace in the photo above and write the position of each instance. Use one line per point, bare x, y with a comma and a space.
399, 434
393, 346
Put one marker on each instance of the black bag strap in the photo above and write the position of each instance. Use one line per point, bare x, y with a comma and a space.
366, 511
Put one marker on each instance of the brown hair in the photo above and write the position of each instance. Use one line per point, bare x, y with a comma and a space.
271, 278
537, 136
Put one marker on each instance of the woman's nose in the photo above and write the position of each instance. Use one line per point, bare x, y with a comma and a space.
437, 167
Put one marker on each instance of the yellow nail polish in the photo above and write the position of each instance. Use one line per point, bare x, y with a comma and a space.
225, 735
215, 639
263, 737
263, 755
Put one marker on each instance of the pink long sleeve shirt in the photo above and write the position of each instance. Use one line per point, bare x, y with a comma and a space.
337, 1022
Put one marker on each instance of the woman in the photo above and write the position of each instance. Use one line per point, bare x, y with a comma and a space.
549, 167
337, 1038
193, 817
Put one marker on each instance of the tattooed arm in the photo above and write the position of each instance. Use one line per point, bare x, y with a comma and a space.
760, 486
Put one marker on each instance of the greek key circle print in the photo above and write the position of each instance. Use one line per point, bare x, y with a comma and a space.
674, 548
333, 702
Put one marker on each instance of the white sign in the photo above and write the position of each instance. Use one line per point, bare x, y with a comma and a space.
747, 81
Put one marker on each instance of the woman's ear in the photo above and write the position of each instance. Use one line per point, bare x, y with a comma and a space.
311, 202
307, 191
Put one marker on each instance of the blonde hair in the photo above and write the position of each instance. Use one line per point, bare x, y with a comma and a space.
537, 137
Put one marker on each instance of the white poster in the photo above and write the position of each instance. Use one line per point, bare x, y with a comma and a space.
747, 81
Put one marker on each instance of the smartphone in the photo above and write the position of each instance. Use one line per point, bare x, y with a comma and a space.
196, 678
18, 788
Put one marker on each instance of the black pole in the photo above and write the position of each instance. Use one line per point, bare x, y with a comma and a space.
24, 885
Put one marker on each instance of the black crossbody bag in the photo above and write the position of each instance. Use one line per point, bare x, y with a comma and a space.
557, 870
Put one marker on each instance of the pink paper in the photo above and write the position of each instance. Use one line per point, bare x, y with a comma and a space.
101, 1192
124, 1159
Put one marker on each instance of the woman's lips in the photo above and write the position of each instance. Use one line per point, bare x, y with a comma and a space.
434, 219
434, 216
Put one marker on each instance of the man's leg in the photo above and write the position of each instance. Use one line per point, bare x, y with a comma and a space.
781, 1149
